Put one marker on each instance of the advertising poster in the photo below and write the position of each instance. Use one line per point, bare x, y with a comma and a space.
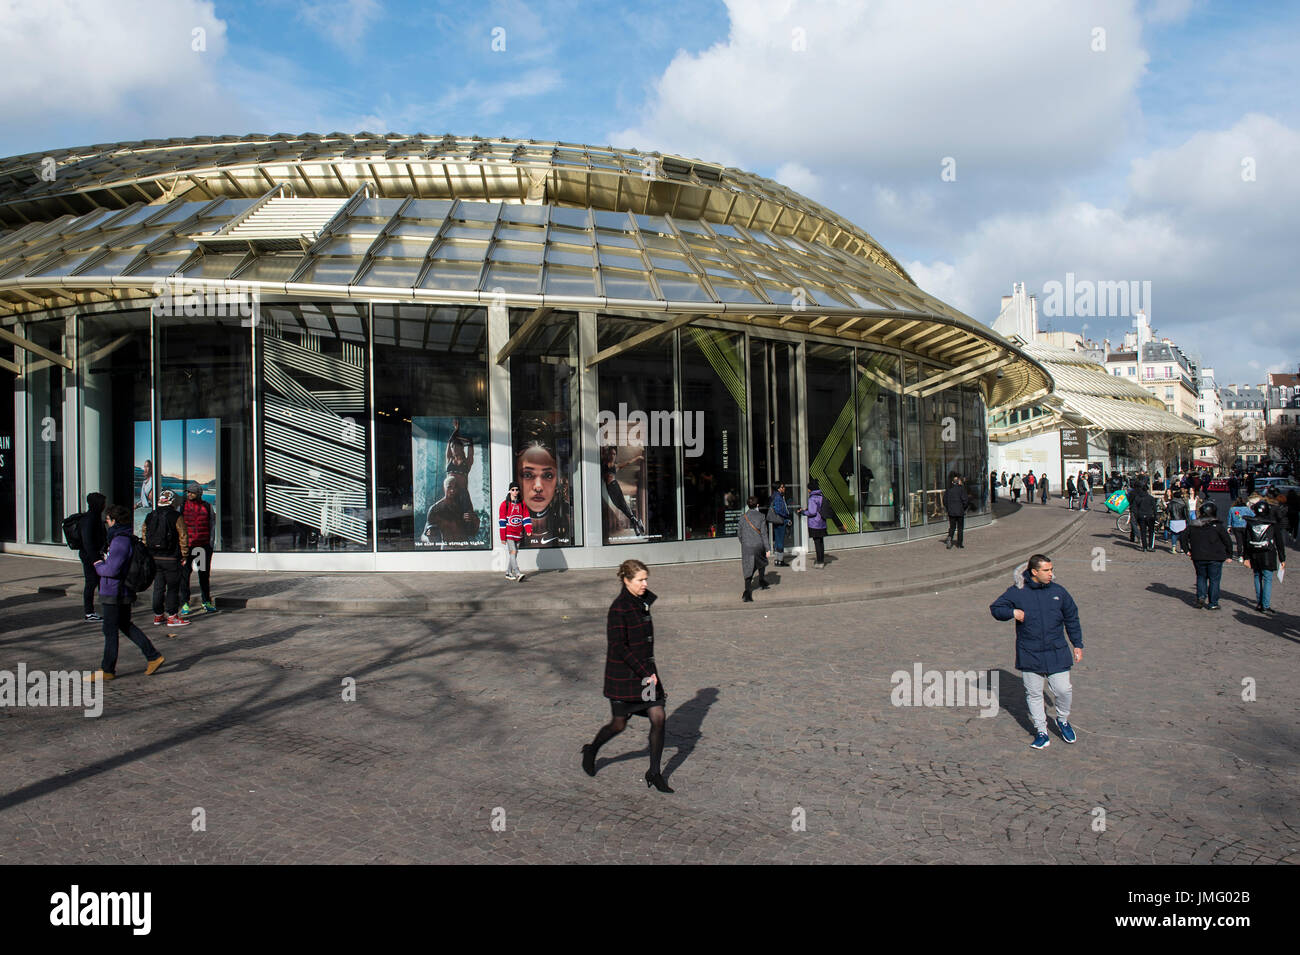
189, 452
452, 490
543, 465
143, 482
624, 477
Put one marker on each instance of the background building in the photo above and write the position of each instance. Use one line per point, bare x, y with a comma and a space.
355, 343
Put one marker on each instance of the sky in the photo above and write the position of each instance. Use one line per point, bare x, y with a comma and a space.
981, 144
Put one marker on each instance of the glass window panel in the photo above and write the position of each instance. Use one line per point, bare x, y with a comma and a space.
206, 401
452, 275
572, 218
571, 236
832, 432
562, 281
468, 230
524, 254
729, 292
667, 242
345, 245
616, 221
880, 440
45, 382
218, 266
431, 430
678, 286
271, 268
674, 263
314, 428
461, 251
392, 273
629, 285
713, 402
400, 248
330, 270
415, 227
975, 449
913, 449
471, 211
564, 256
162, 264
432, 209
620, 259
638, 461
545, 428
512, 278
9, 399
522, 213
387, 208
520, 233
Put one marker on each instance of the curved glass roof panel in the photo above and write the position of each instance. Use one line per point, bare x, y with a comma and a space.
391, 273
567, 281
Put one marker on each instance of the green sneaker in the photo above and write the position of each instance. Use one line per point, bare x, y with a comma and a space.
209, 606
186, 611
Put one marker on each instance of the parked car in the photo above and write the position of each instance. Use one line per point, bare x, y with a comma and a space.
1264, 483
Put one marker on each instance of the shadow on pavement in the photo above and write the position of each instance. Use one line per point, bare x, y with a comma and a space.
683, 726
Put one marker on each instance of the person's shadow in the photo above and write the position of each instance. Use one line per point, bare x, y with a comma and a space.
682, 729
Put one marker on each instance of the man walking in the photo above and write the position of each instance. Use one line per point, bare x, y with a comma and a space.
1042, 489
1045, 616
199, 519
93, 541
1144, 516
1210, 545
1069, 493
955, 502
1031, 483
116, 599
1265, 553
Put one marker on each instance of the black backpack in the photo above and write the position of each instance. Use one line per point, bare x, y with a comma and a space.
72, 531
160, 531
1259, 534
140, 569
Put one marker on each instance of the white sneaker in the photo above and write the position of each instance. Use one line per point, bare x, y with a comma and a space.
520, 578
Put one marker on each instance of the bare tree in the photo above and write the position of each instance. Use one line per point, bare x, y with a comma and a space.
1285, 440
1232, 435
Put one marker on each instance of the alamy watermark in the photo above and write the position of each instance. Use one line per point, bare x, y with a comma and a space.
923, 687
1084, 298
180, 300
652, 429
74, 688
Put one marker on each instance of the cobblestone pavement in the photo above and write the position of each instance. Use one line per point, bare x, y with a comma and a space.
772, 709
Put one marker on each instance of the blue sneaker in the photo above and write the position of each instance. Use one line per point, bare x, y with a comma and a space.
1040, 742
1067, 731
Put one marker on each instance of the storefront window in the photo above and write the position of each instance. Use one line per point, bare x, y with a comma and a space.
832, 433
314, 428
117, 456
45, 384
545, 427
713, 397
431, 428
637, 433
912, 427
880, 441
941, 437
975, 452
205, 391
8, 462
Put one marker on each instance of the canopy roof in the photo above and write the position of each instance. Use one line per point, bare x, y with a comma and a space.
521, 224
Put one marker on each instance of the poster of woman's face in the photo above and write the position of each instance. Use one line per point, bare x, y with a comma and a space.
542, 468
451, 482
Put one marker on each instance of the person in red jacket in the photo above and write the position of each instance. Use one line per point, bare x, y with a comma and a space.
199, 519
632, 682
513, 522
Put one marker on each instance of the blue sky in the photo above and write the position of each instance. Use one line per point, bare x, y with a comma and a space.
1118, 163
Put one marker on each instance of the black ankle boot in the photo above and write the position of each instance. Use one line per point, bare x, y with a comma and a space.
589, 760
657, 781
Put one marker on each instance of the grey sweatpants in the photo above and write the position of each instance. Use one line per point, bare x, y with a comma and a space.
1062, 692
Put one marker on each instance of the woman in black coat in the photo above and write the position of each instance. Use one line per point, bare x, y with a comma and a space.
632, 681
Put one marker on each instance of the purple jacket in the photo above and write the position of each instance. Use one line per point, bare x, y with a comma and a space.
113, 567
816, 519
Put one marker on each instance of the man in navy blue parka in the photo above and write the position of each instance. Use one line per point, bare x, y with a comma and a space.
1045, 616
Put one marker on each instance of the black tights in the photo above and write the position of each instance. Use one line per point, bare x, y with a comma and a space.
619, 723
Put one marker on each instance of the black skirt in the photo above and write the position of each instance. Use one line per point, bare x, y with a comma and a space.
624, 708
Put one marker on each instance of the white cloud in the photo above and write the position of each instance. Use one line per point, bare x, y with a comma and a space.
896, 85
342, 22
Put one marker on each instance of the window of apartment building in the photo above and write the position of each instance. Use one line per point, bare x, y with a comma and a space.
1130, 369
1169, 394
1150, 372
1169, 371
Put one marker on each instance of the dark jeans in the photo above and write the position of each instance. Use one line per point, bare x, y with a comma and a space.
117, 619
957, 525
167, 582
1147, 528
1208, 575
1240, 534
778, 538
92, 584
200, 554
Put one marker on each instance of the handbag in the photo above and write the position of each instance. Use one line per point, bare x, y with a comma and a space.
773, 517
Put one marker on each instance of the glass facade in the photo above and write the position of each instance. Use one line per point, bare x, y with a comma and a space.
637, 437
8, 457
45, 435
545, 424
354, 428
432, 455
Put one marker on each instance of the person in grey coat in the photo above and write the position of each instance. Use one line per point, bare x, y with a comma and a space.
754, 551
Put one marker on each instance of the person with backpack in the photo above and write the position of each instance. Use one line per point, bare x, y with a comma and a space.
1210, 545
92, 539
1265, 552
1031, 483
164, 535
199, 522
816, 512
117, 594
513, 522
